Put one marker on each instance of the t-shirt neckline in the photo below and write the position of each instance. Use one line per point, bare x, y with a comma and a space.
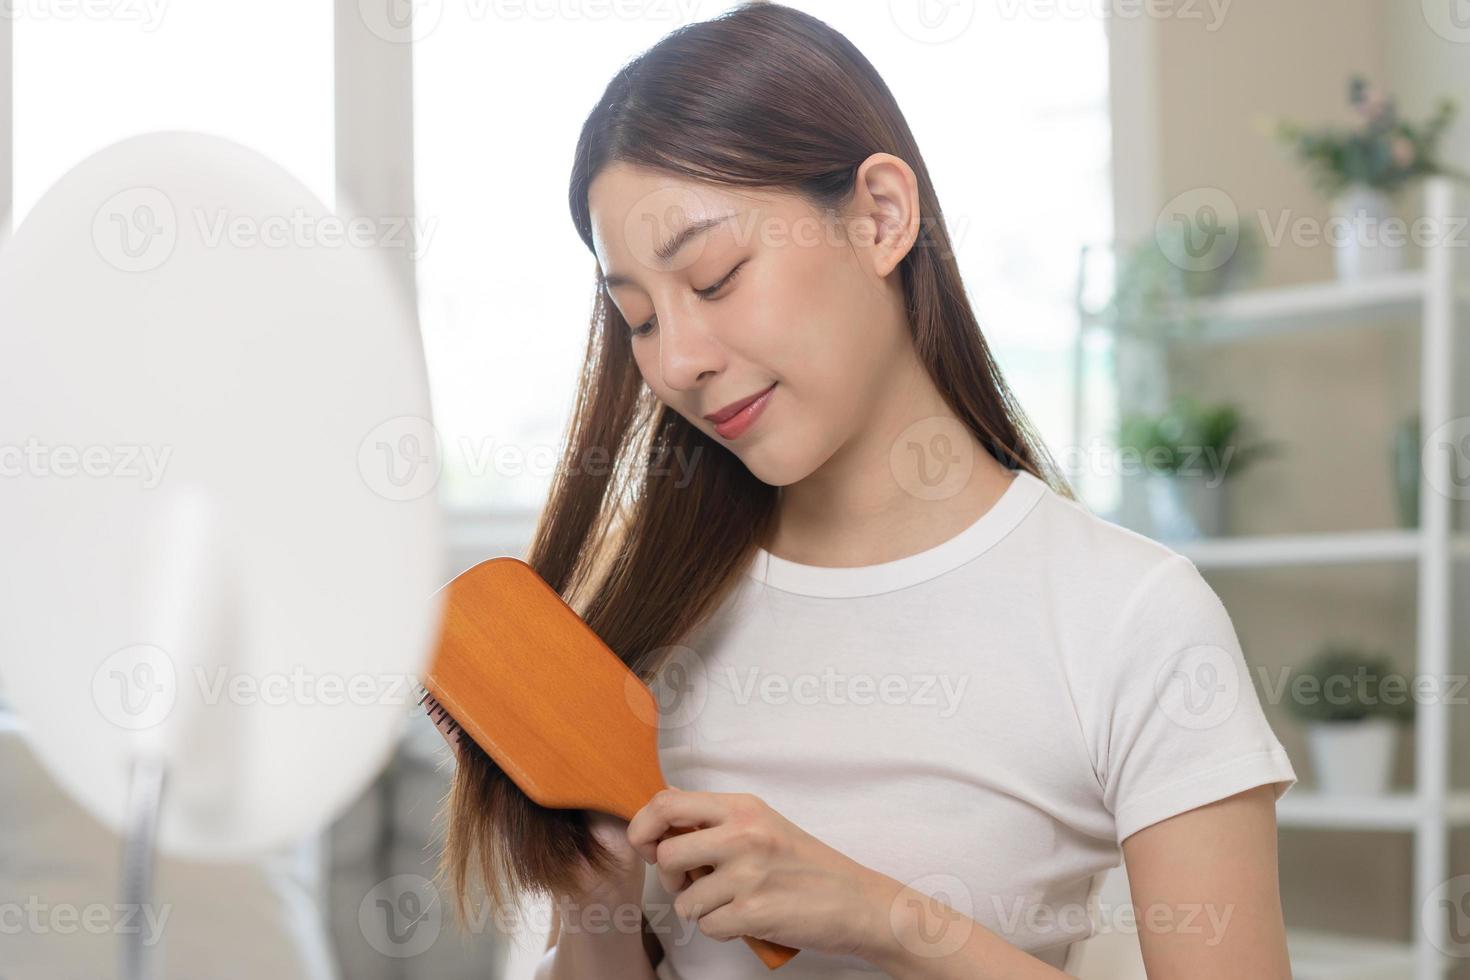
861, 580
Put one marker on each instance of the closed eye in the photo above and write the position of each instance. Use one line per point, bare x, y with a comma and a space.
709, 291
705, 295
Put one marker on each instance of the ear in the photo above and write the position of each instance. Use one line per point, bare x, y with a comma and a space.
886, 210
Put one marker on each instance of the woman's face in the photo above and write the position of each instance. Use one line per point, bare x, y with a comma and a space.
729, 292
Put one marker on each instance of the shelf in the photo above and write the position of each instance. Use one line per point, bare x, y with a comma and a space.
1394, 811
1281, 550
1293, 309
1284, 310
1341, 956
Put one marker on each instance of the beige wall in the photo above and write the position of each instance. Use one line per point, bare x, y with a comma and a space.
1265, 58
1190, 102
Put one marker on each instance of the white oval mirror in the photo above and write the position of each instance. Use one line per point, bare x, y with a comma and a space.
221, 540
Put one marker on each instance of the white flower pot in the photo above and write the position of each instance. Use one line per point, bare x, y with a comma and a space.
1353, 757
1359, 248
1186, 507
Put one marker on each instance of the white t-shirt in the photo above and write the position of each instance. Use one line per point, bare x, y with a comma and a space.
986, 720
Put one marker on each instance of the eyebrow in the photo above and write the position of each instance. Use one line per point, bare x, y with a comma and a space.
666, 252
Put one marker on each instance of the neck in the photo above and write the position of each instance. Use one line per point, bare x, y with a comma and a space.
911, 478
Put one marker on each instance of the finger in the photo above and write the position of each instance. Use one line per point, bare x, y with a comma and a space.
673, 881
725, 923
704, 896
672, 808
709, 847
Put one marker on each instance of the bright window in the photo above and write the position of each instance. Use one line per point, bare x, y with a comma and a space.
88, 75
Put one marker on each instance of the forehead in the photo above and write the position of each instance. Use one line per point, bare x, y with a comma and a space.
635, 212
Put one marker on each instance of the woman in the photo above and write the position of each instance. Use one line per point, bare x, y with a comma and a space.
915, 699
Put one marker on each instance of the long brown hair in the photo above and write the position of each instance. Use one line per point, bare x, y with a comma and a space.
650, 522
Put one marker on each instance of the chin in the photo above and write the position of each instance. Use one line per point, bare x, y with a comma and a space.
777, 464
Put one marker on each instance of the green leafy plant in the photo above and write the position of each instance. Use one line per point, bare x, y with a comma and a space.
1153, 293
1343, 683
1406, 456
1383, 151
1192, 439
1207, 259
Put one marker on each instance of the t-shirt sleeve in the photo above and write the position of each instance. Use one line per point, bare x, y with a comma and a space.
1182, 721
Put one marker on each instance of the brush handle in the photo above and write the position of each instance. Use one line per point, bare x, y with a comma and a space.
773, 955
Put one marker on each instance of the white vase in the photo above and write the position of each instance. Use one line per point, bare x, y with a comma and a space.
1186, 507
1363, 246
1353, 757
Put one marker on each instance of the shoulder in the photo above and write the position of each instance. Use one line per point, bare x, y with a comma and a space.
1115, 564
1125, 594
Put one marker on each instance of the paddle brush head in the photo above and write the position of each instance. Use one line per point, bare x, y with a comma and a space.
520, 673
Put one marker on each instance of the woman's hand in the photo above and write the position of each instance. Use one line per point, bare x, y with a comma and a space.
625, 883
598, 930
771, 879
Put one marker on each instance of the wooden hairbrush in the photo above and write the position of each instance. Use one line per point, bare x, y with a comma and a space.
520, 673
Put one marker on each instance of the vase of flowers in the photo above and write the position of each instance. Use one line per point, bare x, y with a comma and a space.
1188, 455
1361, 169
1359, 248
1353, 706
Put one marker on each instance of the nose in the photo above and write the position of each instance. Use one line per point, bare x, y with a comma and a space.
688, 352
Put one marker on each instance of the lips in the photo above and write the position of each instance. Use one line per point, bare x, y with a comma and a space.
729, 411
732, 420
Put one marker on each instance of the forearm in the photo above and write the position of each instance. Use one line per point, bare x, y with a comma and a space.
920, 938
610, 951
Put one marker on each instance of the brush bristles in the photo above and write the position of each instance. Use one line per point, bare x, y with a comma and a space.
441, 718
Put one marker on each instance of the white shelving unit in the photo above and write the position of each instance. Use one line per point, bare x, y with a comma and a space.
1435, 298
1328, 956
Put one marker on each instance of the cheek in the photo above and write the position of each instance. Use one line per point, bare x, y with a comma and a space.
793, 319
645, 355
823, 340
646, 366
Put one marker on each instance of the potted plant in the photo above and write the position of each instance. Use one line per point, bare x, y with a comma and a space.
1360, 169
1159, 281
1406, 463
1188, 454
1352, 705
